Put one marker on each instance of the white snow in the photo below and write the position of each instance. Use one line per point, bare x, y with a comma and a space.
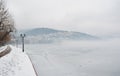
16, 63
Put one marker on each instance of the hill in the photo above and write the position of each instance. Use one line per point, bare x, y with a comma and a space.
48, 35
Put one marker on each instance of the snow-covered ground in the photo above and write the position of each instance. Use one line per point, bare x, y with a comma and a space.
82, 58
16, 63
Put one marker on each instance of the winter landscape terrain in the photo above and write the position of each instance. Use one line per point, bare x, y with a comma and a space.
61, 37
71, 57
89, 56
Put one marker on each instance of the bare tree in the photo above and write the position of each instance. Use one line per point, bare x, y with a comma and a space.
6, 23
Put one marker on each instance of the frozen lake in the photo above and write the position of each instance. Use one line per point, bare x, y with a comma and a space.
76, 58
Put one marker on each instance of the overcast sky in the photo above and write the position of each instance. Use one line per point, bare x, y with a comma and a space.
89, 16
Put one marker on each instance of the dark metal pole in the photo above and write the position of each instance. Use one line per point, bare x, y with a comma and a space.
23, 43
22, 36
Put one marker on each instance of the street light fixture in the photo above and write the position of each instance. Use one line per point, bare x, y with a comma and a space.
22, 36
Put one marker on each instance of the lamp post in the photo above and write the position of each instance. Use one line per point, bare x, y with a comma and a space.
22, 36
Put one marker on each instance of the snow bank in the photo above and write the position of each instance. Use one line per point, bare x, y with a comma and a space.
3, 48
16, 63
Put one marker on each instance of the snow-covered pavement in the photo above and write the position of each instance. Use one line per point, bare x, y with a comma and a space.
16, 63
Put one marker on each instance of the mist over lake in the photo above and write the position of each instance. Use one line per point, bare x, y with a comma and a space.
76, 58
66, 37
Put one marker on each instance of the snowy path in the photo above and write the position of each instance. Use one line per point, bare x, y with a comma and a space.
16, 63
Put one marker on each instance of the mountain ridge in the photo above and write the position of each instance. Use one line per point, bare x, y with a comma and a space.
48, 35
49, 30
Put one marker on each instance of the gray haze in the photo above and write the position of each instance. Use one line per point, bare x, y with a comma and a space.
90, 16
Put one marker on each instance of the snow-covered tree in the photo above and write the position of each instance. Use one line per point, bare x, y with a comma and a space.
6, 23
